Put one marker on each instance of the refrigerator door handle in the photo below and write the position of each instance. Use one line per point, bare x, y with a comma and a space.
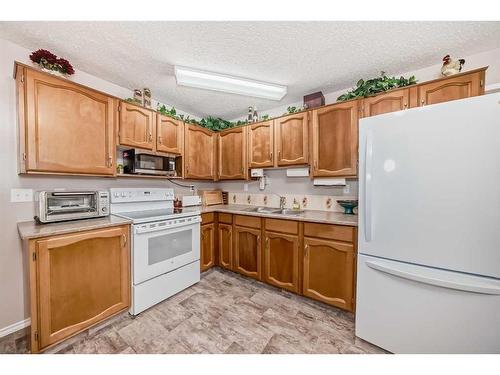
483, 287
368, 186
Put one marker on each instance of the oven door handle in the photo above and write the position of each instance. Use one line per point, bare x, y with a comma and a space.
141, 229
69, 193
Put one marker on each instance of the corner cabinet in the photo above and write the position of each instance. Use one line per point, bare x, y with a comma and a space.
232, 154
136, 126
291, 139
64, 128
261, 144
169, 135
207, 241
199, 153
76, 281
335, 140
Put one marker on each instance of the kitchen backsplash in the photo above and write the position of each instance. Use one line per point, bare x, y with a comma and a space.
306, 201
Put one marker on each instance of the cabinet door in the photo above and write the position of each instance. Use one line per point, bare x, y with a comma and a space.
232, 155
199, 153
207, 246
83, 278
247, 252
261, 144
392, 101
136, 126
329, 272
169, 134
335, 140
281, 261
455, 87
226, 245
292, 139
69, 128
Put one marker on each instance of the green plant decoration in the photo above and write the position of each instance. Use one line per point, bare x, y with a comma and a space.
265, 117
133, 101
292, 109
375, 85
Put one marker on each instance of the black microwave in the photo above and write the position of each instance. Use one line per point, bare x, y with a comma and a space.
136, 162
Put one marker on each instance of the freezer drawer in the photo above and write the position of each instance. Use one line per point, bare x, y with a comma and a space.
405, 308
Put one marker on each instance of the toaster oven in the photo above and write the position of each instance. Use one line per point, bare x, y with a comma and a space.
55, 206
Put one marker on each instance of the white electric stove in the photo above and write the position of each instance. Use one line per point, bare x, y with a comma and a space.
165, 244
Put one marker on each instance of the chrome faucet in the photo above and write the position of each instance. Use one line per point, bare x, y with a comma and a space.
282, 202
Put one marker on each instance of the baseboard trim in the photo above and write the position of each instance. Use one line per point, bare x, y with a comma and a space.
15, 327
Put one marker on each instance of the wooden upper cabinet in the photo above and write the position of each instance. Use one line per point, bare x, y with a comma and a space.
328, 274
82, 279
232, 154
136, 126
261, 144
292, 139
459, 86
392, 101
335, 139
199, 153
169, 134
64, 127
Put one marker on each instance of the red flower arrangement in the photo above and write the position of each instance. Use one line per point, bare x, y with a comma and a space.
48, 60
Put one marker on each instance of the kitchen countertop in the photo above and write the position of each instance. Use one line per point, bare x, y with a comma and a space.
30, 229
315, 216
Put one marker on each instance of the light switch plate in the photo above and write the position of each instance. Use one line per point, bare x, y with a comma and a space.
21, 195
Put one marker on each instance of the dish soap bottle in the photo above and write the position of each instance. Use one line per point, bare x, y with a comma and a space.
296, 205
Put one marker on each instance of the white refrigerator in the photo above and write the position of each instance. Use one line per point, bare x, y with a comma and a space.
428, 278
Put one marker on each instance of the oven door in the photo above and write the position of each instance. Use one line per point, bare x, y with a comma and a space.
161, 247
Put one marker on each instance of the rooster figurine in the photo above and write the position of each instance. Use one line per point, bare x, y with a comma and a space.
450, 66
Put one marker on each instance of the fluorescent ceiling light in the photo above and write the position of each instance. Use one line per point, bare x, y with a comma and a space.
234, 85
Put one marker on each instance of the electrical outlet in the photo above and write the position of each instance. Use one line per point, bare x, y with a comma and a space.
21, 195
347, 189
245, 187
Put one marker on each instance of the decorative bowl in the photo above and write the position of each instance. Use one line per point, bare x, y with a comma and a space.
348, 205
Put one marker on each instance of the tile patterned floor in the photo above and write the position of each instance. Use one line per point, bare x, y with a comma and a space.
223, 313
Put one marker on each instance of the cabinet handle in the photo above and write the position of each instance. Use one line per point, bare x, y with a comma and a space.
405, 105
150, 137
258, 238
279, 155
306, 252
124, 237
422, 102
159, 139
271, 155
267, 242
315, 164
110, 161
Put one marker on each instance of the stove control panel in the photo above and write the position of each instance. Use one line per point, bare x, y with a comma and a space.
126, 195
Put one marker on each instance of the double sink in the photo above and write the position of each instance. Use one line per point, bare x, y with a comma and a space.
275, 211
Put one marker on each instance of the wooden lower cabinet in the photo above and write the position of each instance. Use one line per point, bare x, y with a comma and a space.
247, 251
76, 281
207, 248
328, 274
281, 260
225, 232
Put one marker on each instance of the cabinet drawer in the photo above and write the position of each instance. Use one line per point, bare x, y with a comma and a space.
329, 231
247, 221
225, 218
283, 226
208, 217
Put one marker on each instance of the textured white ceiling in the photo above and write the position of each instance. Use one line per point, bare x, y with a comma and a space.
305, 56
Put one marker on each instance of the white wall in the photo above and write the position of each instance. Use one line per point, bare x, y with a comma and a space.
13, 276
